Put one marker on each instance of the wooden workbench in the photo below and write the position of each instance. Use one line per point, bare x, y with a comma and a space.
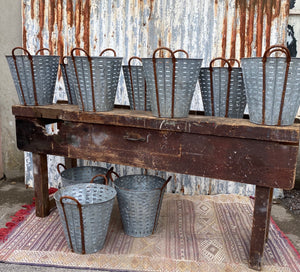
220, 148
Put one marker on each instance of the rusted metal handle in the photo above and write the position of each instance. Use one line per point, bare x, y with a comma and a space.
268, 52
91, 73
21, 48
140, 139
183, 51
58, 165
108, 49
110, 175
79, 49
164, 48
225, 60
277, 48
32, 74
99, 175
235, 60
132, 58
160, 200
173, 78
41, 50
165, 184
81, 221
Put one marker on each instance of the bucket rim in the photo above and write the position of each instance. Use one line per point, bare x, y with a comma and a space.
186, 59
57, 195
142, 191
33, 56
98, 57
260, 58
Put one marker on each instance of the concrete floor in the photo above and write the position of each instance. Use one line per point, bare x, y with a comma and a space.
13, 194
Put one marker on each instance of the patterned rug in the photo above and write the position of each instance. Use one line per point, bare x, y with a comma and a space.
199, 233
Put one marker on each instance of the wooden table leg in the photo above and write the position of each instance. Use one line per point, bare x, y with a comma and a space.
40, 176
261, 219
269, 213
70, 162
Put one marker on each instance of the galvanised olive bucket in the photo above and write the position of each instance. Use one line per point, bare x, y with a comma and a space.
139, 198
171, 83
222, 90
69, 79
83, 174
272, 87
34, 76
85, 211
97, 80
139, 98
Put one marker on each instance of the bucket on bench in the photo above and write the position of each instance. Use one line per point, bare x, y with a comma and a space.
34, 76
139, 97
222, 90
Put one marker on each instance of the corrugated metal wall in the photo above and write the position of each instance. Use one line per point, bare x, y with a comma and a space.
205, 28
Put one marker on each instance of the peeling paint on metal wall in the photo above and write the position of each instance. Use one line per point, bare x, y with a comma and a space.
205, 29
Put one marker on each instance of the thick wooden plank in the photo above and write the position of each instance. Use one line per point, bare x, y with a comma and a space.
239, 128
40, 176
261, 217
269, 164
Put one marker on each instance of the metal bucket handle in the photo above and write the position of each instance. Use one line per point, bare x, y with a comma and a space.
212, 89
108, 49
235, 60
67, 78
99, 175
81, 221
268, 52
110, 171
131, 82
160, 199
91, 73
173, 78
32, 74
41, 50
183, 51
58, 165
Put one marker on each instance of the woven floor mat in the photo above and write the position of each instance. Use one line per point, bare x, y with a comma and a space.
199, 233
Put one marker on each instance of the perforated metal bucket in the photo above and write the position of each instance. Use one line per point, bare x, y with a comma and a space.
34, 77
97, 81
82, 174
136, 86
69, 79
273, 98
85, 211
171, 83
223, 91
139, 198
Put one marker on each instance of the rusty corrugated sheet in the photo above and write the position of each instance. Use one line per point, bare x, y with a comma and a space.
205, 28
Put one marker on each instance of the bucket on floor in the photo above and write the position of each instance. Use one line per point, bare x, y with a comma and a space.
272, 87
85, 211
83, 174
69, 79
171, 83
34, 76
139, 198
139, 98
222, 90
97, 80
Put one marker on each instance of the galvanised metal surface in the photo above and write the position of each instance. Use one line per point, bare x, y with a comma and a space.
205, 29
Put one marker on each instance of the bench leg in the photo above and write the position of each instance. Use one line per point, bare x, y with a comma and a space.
40, 176
261, 220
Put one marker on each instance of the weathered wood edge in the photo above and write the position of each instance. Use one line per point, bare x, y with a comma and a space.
205, 125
